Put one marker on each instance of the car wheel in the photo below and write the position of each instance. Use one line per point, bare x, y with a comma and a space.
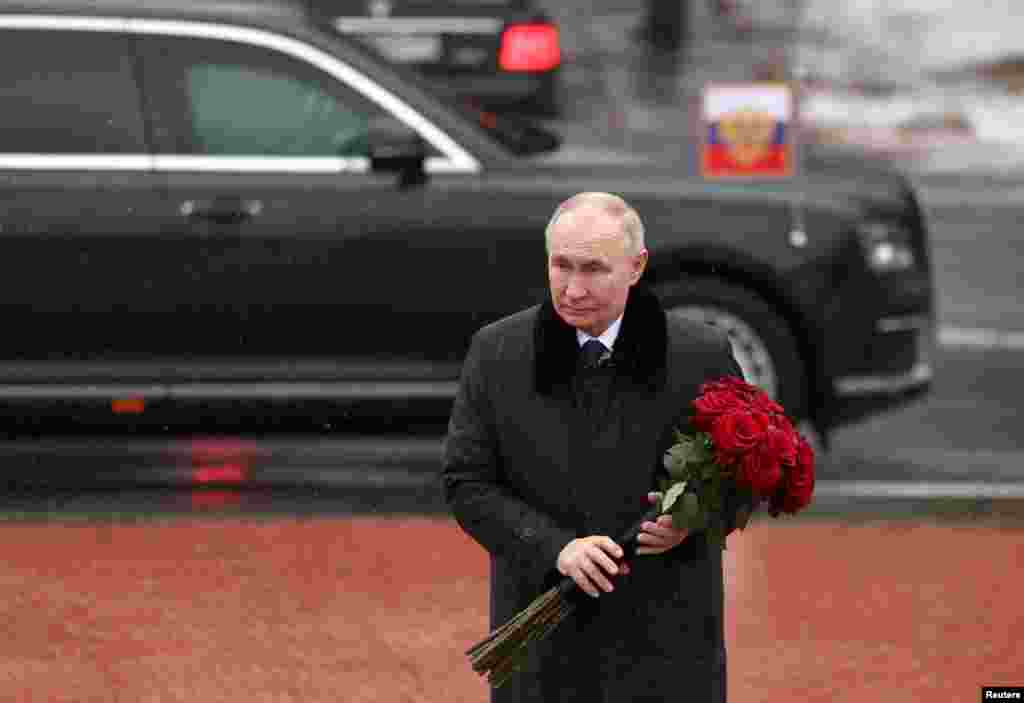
762, 343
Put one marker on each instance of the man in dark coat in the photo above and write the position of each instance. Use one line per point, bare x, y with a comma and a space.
552, 451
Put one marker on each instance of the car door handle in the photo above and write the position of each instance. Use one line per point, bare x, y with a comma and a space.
225, 211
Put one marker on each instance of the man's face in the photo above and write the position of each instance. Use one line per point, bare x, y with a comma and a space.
590, 269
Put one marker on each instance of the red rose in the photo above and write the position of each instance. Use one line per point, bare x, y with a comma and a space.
739, 389
712, 405
725, 459
746, 393
727, 384
799, 480
786, 425
760, 470
762, 402
738, 432
781, 440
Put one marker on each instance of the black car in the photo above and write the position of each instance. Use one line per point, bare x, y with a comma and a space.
497, 54
227, 209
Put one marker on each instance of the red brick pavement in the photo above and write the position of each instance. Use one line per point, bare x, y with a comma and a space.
884, 612
380, 610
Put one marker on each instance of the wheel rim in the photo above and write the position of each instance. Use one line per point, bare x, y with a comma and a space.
750, 351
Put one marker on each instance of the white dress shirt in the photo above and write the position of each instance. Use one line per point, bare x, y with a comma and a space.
607, 337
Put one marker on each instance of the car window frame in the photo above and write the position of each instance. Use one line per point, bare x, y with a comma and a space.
457, 158
165, 62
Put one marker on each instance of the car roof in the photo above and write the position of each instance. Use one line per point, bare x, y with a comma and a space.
250, 11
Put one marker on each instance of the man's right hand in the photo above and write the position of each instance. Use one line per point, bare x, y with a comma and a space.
589, 561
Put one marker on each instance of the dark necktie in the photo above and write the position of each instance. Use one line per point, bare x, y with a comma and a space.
593, 353
593, 386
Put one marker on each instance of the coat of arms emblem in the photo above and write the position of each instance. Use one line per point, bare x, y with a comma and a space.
747, 130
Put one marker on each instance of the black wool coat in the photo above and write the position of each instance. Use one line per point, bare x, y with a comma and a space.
526, 469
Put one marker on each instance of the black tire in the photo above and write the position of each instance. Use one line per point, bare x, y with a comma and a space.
756, 323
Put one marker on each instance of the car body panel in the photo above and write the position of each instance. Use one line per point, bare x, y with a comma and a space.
335, 282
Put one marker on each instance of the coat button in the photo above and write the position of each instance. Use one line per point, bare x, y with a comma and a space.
527, 532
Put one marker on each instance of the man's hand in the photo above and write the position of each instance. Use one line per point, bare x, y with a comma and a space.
589, 561
658, 537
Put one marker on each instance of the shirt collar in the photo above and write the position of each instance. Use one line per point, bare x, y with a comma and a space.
607, 337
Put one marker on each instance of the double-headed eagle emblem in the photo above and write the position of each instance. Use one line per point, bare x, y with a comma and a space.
748, 130
747, 133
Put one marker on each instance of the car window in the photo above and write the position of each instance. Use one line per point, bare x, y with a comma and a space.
249, 110
249, 101
68, 93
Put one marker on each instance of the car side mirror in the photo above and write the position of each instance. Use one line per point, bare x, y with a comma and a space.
397, 148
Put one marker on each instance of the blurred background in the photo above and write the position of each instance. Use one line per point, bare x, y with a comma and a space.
931, 88
934, 84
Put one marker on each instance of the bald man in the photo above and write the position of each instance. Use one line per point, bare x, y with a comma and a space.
554, 445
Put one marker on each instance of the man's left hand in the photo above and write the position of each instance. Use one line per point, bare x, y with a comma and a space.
661, 536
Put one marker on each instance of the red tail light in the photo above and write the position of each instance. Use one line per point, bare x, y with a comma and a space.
128, 406
529, 47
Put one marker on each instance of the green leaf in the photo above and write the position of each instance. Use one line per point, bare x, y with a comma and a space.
687, 513
686, 451
691, 505
705, 448
671, 495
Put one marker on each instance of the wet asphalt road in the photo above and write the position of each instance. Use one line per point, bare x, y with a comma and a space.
976, 400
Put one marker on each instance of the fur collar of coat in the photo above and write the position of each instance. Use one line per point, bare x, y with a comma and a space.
640, 349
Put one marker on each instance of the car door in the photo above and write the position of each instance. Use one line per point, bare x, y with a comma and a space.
306, 252
86, 274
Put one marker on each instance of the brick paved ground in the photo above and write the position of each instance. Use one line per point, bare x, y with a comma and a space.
212, 610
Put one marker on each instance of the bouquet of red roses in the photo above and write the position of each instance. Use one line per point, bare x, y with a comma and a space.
742, 444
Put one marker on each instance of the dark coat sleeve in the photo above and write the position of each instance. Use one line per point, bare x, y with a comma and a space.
472, 478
